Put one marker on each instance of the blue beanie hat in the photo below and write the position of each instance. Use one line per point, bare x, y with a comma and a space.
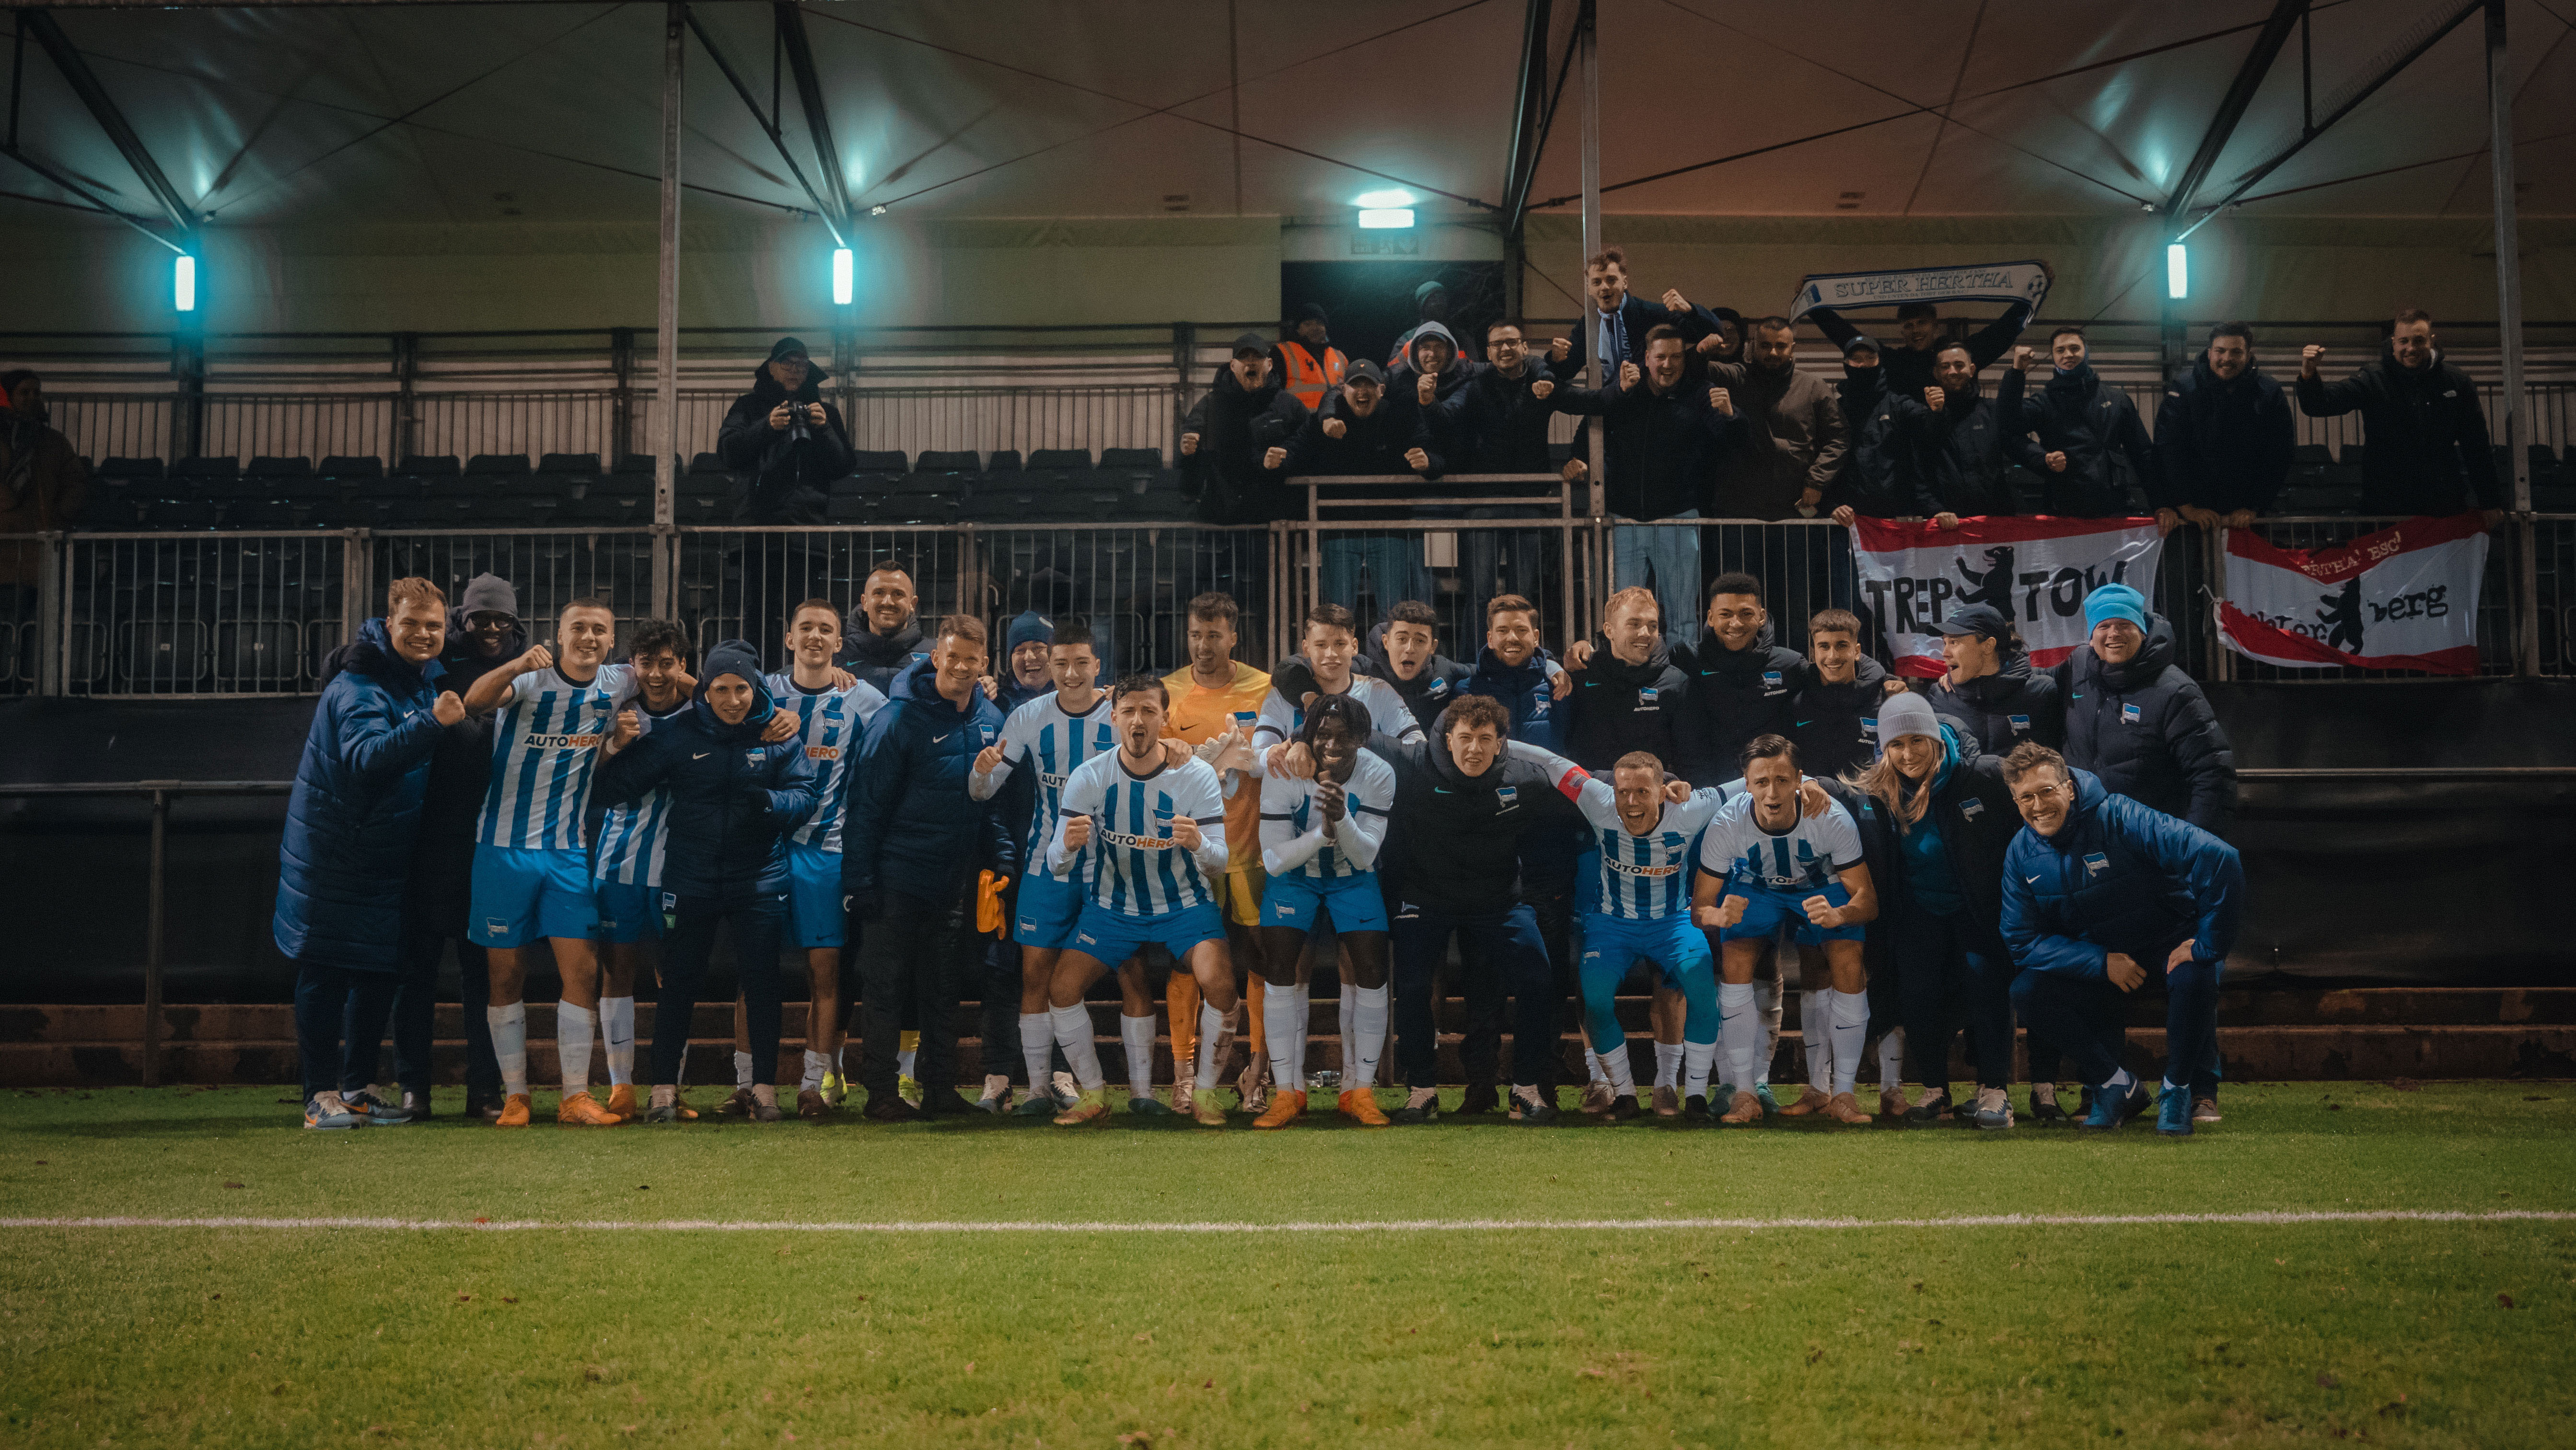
1906, 714
1030, 627
2115, 601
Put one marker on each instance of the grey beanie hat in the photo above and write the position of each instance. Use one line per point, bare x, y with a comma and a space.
1906, 714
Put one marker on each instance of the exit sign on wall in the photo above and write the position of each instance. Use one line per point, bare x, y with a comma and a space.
1386, 244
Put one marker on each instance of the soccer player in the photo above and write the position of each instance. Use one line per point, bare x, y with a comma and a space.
1055, 733
1838, 697
1319, 844
735, 794
1154, 834
1406, 649
1330, 641
627, 855
1215, 702
1775, 866
531, 865
2098, 889
832, 709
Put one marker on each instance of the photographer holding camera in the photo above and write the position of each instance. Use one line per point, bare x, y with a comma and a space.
783, 442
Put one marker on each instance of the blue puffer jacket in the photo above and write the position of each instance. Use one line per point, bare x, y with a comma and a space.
2118, 877
1522, 689
351, 823
723, 843
2145, 728
911, 826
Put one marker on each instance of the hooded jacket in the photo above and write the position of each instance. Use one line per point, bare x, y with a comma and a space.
1868, 482
2118, 877
2223, 444
1909, 370
879, 658
1236, 425
2013, 705
2145, 729
345, 857
1454, 840
1522, 689
1735, 697
1496, 424
1403, 389
1953, 460
1618, 707
1789, 437
911, 826
1837, 725
734, 797
2428, 450
1972, 816
780, 476
1663, 447
2096, 427
1429, 692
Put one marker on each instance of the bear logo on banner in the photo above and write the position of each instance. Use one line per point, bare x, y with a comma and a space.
2342, 617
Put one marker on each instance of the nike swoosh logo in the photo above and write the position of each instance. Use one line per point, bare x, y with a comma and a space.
941, 739
2030, 881
701, 755
621, 1042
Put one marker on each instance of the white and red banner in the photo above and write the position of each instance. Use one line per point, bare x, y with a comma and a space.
2405, 598
2035, 570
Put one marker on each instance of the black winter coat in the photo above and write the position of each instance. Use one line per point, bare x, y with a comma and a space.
878, 658
1618, 707
1868, 482
1735, 696
1663, 448
1973, 811
2426, 450
2145, 728
2098, 429
2014, 704
1454, 842
782, 476
1837, 725
734, 798
1370, 445
1953, 461
1236, 425
1909, 370
2222, 444
1494, 423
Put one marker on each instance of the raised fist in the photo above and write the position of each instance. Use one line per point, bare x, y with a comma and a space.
448, 710
1628, 374
1722, 402
1335, 428
1275, 459
1935, 399
1189, 444
1541, 389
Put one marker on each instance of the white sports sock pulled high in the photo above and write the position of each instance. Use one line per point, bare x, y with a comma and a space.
617, 1038
1593, 1071
1368, 1021
1850, 1033
1816, 1034
1136, 1034
575, 1029
1739, 1030
1037, 1041
1697, 1059
1073, 1033
742, 1069
1211, 1029
1668, 1064
1767, 998
1283, 1024
1346, 1007
510, 1045
903, 1062
816, 1064
1891, 1060
1623, 1077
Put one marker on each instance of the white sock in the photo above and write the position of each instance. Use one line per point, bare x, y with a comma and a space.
1211, 1027
1347, 1007
1849, 1034
1283, 1022
1668, 1064
575, 1029
1368, 1017
742, 1069
2120, 1082
903, 1062
510, 1045
1891, 1061
1767, 993
1073, 1033
1697, 1059
1623, 1076
1037, 1040
1817, 1037
617, 1037
1136, 1034
1593, 1071
816, 1064
1740, 1030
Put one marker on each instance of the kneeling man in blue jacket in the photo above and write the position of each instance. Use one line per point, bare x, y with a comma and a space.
734, 798
2098, 890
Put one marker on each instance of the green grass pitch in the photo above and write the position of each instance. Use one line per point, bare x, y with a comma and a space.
1540, 1329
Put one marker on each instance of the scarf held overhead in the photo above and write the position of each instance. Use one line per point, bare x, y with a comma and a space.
1984, 282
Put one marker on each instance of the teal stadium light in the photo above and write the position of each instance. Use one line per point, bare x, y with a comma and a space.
2177, 271
1380, 210
841, 277
184, 283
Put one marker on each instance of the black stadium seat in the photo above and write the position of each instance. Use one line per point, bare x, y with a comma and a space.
133, 470
498, 465
1064, 458
351, 467
887, 462
936, 461
1002, 460
430, 465
1131, 458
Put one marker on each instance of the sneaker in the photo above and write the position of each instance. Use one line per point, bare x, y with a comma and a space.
2111, 1110
1935, 1108
488, 1109
2046, 1112
1067, 1091
737, 1106
1360, 1106
1252, 1085
378, 1112
1623, 1108
1994, 1108
996, 1096
1809, 1101
1668, 1102
1530, 1108
1089, 1107
1422, 1105
1762, 1095
1746, 1108
2173, 1112
1844, 1108
416, 1107
880, 1109
764, 1108
2203, 1110
1147, 1106
581, 1110
1480, 1097
621, 1101
946, 1102
1694, 1109
1285, 1108
1257, 1100
908, 1088
1037, 1105
326, 1110
1596, 1099
667, 1107
836, 1089
1184, 1093
810, 1105
514, 1112
1208, 1112
1891, 1105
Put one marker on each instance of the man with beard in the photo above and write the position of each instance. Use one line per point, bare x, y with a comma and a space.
1665, 438
881, 639
1362, 433
2428, 449
1226, 433
1790, 445
1949, 446
2224, 436
1919, 331
2087, 428
1307, 364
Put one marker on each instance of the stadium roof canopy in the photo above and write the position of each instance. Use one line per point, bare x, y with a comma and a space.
306, 114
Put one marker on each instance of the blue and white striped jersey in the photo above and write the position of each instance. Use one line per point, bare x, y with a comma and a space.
629, 849
1136, 869
1059, 742
1281, 719
1643, 878
545, 742
831, 722
1813, 851
1288, 812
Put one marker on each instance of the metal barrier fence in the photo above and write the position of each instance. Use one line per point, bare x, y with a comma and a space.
204, 614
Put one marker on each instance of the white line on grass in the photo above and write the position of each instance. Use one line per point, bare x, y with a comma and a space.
1408, 1225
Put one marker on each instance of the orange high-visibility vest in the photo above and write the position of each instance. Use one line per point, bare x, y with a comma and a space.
1307, 381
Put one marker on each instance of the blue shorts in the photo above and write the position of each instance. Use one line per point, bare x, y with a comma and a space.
1613, 944
1047, 911
1300, 901
627, 913
521, 895
814, 914
1113, 938
1767, 911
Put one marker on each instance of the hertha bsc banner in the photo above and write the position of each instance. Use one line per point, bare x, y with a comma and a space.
2035, 570
2405, 598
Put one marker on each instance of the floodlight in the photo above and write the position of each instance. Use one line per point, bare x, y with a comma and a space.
841, 277
2177, 271
1382, 217
185, 284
